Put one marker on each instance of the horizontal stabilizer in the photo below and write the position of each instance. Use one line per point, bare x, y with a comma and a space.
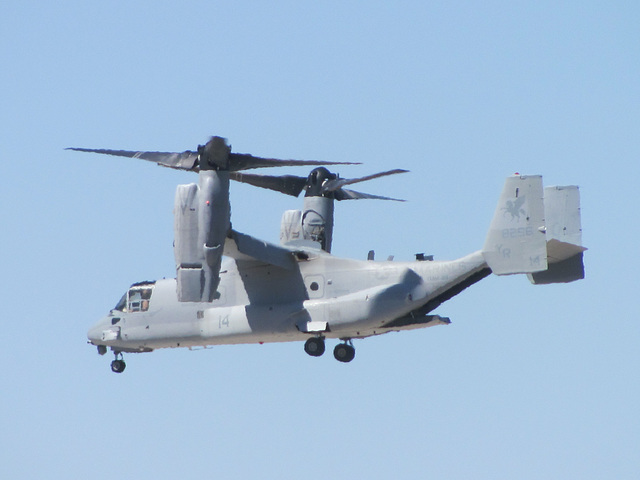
558, 251
516, 242
564, 271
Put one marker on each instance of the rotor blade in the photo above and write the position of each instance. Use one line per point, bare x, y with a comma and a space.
244, 161
333, 185
288, 184
344, 194
188, 160
181, 161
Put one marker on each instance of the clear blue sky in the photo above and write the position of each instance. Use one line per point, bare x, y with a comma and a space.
528, 382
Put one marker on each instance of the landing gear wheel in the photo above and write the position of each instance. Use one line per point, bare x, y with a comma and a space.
314, 346
118, 366
344, 352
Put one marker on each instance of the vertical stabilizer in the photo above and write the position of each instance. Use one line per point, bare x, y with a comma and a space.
563, 235
516, 241
562, 214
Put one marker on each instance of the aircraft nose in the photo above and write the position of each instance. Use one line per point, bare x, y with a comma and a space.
96, 332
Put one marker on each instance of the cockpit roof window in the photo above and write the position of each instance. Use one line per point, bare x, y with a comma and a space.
143, 284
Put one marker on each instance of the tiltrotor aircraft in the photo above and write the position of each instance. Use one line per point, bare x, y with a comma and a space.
297, 291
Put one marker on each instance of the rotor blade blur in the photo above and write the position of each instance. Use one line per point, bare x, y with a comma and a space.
288, 184
344, 194
244, 161
333, 185
182, 161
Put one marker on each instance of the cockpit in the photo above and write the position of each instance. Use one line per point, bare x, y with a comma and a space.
137, 298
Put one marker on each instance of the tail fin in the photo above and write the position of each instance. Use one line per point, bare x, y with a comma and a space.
536, 232
516, 241
564, 236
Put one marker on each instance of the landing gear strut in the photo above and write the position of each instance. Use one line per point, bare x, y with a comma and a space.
314, 346
118, 365
344, 352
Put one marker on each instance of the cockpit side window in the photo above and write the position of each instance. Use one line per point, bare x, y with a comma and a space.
137, 298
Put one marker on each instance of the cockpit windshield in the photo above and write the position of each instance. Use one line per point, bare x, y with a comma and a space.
122, 304
137, 298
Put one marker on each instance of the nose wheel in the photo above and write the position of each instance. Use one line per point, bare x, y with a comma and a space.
118, 365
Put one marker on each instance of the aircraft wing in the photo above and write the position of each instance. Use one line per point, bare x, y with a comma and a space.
240, 246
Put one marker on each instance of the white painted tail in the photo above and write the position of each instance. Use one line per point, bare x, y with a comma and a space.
564, 236
536, 231
516, 240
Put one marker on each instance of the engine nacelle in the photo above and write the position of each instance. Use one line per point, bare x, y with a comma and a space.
189, 257
201, 224
291, 226
314, 224
185, 227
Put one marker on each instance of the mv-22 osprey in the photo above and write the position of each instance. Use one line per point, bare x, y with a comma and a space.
297, 291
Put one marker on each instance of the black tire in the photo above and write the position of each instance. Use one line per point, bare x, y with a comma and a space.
314, 346
344, 352
118, 366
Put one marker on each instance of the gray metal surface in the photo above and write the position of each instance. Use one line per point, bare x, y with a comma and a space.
516, 241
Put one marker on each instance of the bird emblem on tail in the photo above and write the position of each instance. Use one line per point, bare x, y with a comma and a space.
515, 208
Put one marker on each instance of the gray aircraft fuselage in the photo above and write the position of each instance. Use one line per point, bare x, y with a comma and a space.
323, 296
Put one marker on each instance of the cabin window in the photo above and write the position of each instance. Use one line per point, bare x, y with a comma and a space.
315, 286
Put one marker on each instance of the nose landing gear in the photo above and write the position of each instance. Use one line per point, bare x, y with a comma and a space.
118, 365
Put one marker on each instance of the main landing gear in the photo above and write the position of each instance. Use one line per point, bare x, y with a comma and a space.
344, 352
118, 365
314, 346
